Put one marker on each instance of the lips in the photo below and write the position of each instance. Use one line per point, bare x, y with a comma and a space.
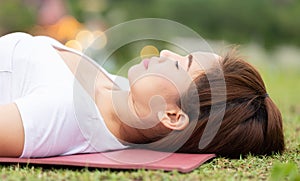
146, 63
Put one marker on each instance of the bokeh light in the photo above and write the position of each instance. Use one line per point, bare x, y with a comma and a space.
149, 51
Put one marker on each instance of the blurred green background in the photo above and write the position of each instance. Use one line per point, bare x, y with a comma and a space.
268, 22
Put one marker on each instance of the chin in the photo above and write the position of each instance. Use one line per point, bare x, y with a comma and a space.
130, 73
135, 72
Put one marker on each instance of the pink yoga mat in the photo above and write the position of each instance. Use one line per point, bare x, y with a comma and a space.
124, 159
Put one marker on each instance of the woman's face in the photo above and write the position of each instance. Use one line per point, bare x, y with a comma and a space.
156, 83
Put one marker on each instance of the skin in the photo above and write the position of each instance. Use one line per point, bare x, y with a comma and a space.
147, 110
11, 131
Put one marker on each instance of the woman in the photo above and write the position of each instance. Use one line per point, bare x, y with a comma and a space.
55, 102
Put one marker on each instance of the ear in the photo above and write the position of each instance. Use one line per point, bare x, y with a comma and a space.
174, 120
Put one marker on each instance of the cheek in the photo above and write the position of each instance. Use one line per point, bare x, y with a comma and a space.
146, 88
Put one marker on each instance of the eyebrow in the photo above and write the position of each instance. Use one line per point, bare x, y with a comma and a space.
190, 57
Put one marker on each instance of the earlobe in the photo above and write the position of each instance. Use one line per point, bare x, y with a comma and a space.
160, 115
178, 122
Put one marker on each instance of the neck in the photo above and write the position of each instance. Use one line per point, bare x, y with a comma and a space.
125, 115
122, 120
120, 116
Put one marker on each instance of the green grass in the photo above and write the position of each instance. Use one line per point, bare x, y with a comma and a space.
283, 86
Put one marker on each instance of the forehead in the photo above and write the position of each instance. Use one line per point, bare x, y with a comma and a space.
203, 61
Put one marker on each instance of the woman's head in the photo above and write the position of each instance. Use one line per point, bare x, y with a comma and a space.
251, 122
157, 83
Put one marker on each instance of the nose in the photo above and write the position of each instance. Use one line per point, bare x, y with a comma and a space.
165, 53
171, 55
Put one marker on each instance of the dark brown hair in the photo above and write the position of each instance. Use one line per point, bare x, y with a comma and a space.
251, 122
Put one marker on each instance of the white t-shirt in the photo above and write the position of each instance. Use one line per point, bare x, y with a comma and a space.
59, 117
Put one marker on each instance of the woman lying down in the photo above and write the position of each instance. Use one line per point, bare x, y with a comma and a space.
56, 101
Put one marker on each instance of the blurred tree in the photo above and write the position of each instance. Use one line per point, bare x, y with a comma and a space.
269, 22
15, 15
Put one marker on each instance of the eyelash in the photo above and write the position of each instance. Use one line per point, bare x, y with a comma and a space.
176, 64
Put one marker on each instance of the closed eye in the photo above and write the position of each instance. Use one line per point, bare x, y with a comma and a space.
176, 64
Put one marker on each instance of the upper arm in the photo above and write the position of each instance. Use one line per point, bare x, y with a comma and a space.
11, 131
